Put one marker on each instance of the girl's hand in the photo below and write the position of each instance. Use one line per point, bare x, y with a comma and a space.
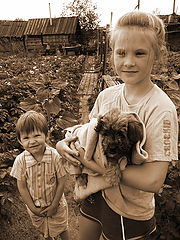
67, 150
81, 152
49, 211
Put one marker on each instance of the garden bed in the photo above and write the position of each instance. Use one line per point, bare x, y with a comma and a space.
49, 84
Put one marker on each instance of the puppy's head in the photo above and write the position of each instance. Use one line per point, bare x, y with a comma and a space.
120, 131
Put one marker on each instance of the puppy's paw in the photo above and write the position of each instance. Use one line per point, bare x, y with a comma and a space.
112, 175
122, 163
81, 180
80, 193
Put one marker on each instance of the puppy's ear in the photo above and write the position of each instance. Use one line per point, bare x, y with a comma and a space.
135, 131
100, 124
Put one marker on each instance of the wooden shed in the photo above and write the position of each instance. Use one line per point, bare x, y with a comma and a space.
173, 36
56, 32
12, 35
172, 23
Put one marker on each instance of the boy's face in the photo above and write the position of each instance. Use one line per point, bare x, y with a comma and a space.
133, 56
33, 142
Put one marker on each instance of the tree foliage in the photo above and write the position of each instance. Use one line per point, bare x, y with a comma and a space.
86, 12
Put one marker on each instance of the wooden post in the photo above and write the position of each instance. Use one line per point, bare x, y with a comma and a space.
24, 42
174, 3
97, 43
105, 52
138, 4
104, 55
111, 19
10, 41
50, 14
101, 44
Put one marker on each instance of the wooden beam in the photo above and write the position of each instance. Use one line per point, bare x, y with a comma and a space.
138, 4
174, 3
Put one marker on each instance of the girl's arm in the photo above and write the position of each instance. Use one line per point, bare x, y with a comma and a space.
148, 177
22, 187
90, 164
69, 149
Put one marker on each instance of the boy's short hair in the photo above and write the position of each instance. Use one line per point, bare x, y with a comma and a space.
31, 121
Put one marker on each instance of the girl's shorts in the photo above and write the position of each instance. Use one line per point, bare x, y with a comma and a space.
114, 226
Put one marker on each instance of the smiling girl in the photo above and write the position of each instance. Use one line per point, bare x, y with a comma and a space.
127, 211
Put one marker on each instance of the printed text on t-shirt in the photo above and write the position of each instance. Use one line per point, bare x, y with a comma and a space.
167, 136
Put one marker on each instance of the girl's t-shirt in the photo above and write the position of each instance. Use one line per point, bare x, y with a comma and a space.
159, 115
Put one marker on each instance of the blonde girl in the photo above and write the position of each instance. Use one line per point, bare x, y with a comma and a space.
127, 211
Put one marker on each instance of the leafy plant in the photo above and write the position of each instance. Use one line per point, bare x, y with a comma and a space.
86, 12
45, 85
46, 100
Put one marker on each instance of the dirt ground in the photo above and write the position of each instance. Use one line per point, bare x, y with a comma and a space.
16, 224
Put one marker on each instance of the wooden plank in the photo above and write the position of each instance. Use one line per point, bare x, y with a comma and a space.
88, 84
110, 81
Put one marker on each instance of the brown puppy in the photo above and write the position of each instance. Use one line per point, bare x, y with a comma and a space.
120, 132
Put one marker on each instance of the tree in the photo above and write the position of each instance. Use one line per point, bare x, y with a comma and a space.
156, 11
86, 12
19, 20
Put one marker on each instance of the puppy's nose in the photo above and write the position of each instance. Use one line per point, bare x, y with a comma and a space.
112, 149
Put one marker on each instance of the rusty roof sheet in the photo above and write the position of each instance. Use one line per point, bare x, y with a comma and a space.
63, 25
12, 28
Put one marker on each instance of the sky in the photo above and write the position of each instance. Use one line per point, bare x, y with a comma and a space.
25, 9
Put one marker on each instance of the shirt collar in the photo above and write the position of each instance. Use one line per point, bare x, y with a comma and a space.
31, 161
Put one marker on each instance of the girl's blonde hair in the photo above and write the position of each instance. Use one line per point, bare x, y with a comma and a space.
143, 21
31, 121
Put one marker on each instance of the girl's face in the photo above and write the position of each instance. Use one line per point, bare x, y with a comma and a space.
33, 142
133, 56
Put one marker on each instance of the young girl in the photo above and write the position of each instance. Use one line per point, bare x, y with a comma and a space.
127, 211
41, 177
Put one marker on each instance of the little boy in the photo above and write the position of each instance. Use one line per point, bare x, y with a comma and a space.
41, 177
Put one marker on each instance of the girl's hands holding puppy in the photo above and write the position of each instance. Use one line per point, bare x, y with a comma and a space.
66, 148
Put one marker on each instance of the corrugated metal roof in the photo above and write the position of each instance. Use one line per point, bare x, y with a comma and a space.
63, 25
12, 28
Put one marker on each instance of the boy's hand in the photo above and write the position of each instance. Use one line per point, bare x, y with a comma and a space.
49, 211
37, 211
